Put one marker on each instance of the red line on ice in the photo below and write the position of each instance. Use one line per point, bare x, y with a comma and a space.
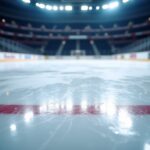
75, 110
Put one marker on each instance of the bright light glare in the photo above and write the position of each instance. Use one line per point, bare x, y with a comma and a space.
106, 6
69, 106
108, 108
48, 7
97, 8
57, 107
111, 109
125, 121
61, 8
147, 146
62, 105
55, 8
26, 1
90, 8
103, 108
40, 5
111, 5
13, 127
68, 8
84, 105
28, 116
125, 1
51, 107
84, 8
43, 108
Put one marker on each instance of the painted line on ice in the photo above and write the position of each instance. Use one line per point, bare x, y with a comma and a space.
74, 109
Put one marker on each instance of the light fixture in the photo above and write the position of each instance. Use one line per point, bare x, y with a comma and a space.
40, 5
125, 1
105, 6
90, 7
114, 4
111, 5
27, 1
61, 8
84, 7
55, 8
48, 7
97, 7
68, 8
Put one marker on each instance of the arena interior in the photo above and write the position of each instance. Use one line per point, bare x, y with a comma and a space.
74, 74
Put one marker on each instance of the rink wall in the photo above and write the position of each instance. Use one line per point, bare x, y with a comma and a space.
78, 57
10, 57
141, 56
6, 56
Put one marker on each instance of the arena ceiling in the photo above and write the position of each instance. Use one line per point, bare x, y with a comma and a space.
16, 9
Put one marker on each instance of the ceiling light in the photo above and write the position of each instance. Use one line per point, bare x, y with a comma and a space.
125, 1
97, 8
84, 8
90, 8
105, 6
40, 5
113, 4
55, 8
68, 8
26, 1
48, 7
61, 8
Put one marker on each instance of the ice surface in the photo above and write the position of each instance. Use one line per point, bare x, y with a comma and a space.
80, 82
32, 83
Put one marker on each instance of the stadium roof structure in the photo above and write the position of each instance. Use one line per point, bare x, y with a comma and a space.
96, 11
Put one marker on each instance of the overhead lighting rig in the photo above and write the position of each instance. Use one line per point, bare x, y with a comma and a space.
84, 7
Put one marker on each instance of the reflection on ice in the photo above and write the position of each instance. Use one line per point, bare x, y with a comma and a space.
84, 105
43, 108
53, 107
62, 105
13, 127
69, 106
124, 118
108, 108
28, 116
124, 122
147, 146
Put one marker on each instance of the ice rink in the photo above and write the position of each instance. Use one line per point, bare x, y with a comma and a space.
75, 105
